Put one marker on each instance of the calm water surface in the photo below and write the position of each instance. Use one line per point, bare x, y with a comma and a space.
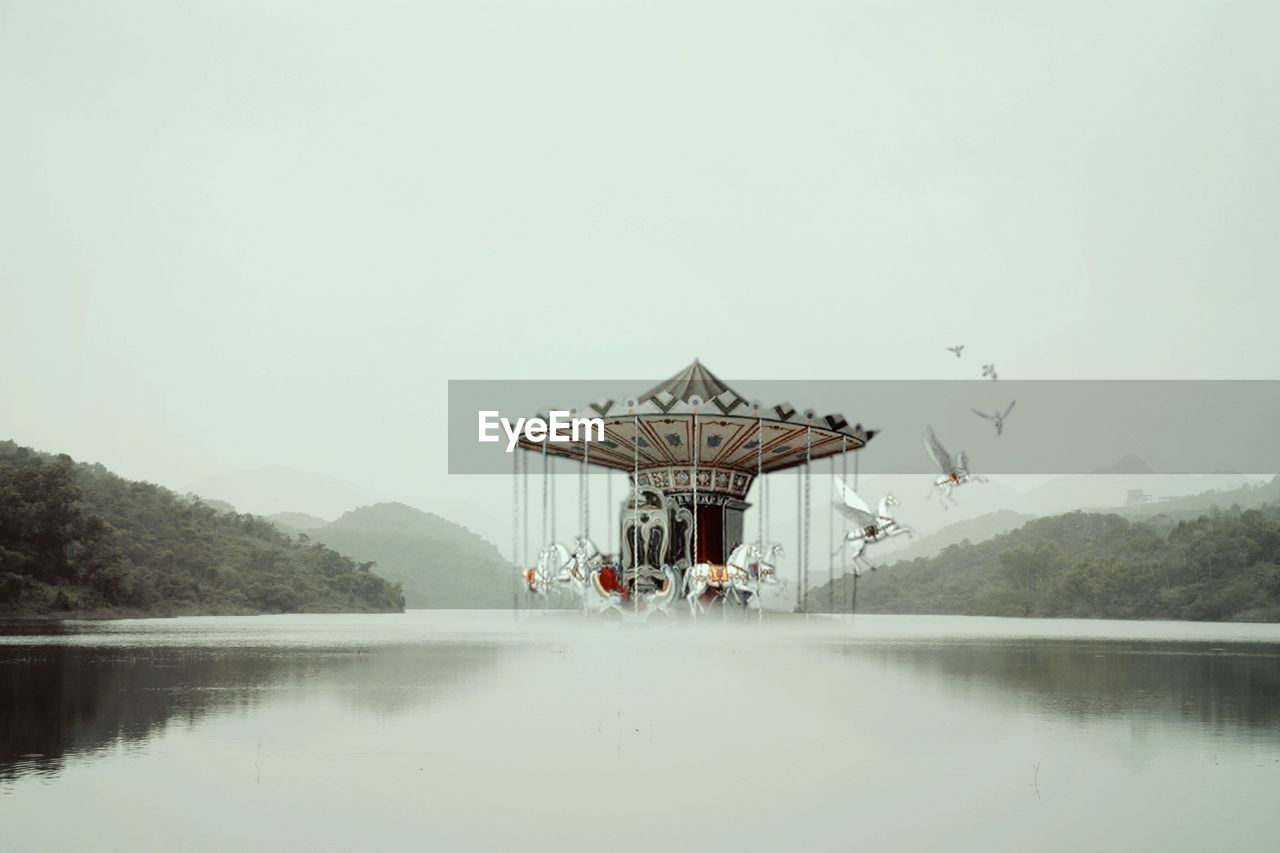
480, 731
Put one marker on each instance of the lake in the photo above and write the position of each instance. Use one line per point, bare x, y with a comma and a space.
457, 730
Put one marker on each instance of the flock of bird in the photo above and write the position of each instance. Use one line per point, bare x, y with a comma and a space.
988, 372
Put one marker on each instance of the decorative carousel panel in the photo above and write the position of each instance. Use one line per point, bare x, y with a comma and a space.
718, 437
678, 478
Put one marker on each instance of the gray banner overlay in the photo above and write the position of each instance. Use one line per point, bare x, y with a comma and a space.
1057, 427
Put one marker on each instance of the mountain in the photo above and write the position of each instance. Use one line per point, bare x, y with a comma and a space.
294, 523
1224, 566
75, 538
1129, 464
971, 530
437, 562
216, 505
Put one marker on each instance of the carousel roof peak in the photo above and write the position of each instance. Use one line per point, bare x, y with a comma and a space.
694, 380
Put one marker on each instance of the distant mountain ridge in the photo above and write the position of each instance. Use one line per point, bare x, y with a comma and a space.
970, 530
265, 490
438, 563
1248, 496
294, 523
1129, 464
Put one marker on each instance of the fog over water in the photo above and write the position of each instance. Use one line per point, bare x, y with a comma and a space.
481, 731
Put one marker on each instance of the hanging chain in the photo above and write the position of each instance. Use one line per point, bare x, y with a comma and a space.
856, 458
768, 525
831, 544
844, 539
524, 487
760, 517
759, 480
800, 543
697, 451
515, 510
808, 514
635, 503
546, 485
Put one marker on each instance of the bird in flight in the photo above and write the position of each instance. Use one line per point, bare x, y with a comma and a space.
990, 370
998, 417
956, 349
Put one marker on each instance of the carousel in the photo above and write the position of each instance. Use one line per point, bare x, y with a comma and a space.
693, 450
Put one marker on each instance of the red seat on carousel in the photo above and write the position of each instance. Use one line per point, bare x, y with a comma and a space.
611, 581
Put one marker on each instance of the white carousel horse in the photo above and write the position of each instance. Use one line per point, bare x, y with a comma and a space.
761, 567
552, 566
584, 573
954, 473
868, 528
733, 575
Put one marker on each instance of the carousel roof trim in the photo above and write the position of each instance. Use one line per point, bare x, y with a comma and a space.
728, 427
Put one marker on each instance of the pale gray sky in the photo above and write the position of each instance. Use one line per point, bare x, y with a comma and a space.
242, 234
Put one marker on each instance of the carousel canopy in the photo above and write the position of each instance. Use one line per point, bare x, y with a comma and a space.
728, 428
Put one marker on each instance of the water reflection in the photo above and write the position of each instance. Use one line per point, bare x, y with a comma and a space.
486, 731
1218, 685
58, 701
71, 688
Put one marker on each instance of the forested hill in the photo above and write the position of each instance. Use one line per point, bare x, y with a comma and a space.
1223, 565
75, 538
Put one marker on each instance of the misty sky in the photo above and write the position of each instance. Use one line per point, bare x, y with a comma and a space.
245, 234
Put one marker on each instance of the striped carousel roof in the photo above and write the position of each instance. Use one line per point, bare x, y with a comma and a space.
728, 429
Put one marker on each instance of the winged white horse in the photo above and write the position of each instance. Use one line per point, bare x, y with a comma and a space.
868, 527
955, 472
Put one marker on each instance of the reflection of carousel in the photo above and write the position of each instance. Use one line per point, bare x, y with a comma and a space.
681, 525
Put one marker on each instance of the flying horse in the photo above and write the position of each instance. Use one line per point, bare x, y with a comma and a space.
955, 472
747, 567
868, 527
